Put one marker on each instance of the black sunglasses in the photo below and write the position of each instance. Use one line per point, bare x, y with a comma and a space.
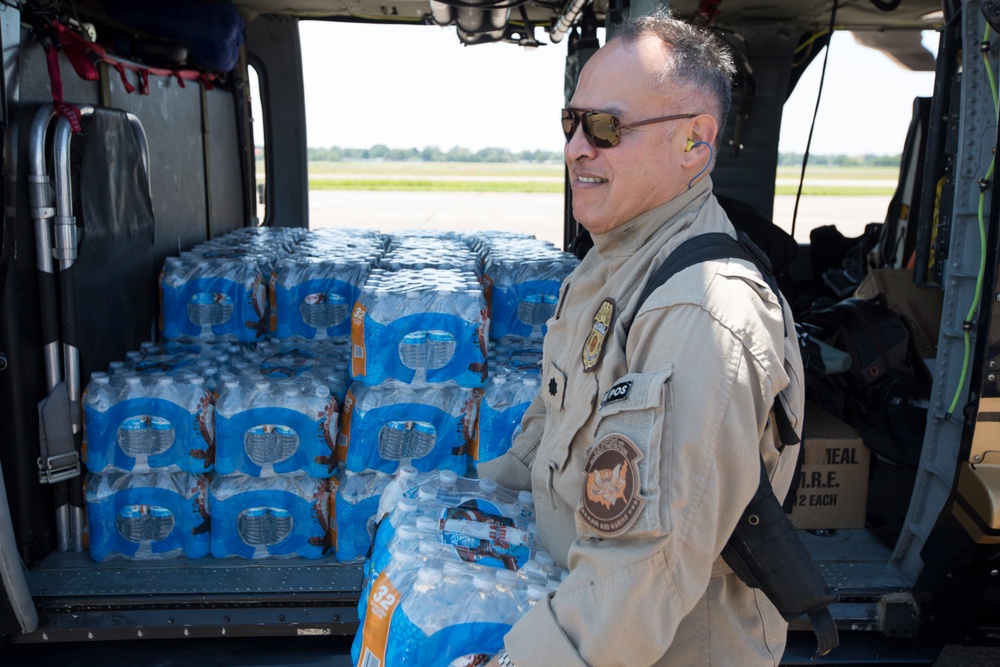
603, 130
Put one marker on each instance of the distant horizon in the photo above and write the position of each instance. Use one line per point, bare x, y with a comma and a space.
896, 156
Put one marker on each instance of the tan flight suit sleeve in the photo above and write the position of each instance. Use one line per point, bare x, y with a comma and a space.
513, 468
697, 410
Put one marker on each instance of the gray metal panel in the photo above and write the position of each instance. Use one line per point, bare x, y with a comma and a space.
942, 440
225, 177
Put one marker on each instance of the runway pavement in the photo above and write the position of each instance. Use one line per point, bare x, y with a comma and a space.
541, 214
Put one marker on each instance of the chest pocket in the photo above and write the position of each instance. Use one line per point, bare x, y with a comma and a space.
625, 469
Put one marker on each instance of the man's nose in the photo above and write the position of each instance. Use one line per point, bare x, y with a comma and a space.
578, 147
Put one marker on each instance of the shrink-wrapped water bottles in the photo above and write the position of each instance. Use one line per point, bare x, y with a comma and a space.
420, 326
522, 279
313, 296
505, 399
212, 298
147, 516
434, 591
266, 427
279, 516
395, 424
356, 503
154, 422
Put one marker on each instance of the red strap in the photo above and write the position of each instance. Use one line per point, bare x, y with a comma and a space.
85, 56
121, 72
64, 109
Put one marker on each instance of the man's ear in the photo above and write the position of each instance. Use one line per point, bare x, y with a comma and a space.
700, 142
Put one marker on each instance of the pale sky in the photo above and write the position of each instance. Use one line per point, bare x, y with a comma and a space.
418, 86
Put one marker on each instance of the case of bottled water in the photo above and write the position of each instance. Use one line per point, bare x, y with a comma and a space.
280, 516
522, 280
505, 399
265, 427
393, 424
212, 298
420, 326
313, 296
147, 516
355, 505
423, 612
148, 422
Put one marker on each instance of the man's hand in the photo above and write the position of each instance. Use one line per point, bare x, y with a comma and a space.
493, 663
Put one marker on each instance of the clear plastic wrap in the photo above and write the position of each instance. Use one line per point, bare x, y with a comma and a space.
274, 517
147, 516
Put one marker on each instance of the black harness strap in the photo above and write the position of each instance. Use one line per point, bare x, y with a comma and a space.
764, 550
719, 245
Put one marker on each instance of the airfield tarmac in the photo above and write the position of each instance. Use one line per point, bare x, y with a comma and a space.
541, 214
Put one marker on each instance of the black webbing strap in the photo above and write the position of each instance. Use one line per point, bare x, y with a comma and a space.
719, 245
764, 550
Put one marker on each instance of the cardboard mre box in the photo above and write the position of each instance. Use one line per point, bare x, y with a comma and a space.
919, 307
833, 482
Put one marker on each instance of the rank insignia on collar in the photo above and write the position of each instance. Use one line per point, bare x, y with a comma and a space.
593, 348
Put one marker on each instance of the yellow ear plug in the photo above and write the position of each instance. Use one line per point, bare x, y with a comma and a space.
690, 145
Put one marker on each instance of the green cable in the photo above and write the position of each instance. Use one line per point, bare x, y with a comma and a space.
967, 324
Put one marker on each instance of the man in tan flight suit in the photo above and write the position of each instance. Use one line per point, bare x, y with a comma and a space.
643, 450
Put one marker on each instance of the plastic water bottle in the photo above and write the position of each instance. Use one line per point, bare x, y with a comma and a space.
403, 481
134, 431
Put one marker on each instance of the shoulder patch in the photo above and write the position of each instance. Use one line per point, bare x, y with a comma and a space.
618, 392
611, 499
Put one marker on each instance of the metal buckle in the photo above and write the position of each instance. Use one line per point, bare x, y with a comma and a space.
58, 468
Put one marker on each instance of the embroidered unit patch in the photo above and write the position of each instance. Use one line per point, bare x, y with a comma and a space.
611, 498
593, 348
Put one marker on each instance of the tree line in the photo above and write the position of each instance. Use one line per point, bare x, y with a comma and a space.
430, 154
460, 154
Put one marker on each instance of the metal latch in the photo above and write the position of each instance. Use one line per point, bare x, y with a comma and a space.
58, 468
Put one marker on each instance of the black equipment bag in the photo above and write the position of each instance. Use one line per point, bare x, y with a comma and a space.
765, 550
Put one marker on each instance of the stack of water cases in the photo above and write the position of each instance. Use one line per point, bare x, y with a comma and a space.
314, 289
522, 278
149, 446
296, 373
419, 360
219, 288
455, 563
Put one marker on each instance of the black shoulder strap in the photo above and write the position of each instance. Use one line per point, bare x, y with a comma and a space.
764, 550
712, 246
704, 248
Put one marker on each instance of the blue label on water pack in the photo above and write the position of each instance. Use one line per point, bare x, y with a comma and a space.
409, 646
214, 307
432, 347
148, 523
269, 522
522, 309
497, 429
319, 307
430, 438
274, 440
148, 433
355, 526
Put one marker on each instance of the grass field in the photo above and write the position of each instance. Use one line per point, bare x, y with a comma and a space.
507, 177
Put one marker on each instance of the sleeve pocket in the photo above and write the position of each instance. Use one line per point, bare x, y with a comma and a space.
622, 494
